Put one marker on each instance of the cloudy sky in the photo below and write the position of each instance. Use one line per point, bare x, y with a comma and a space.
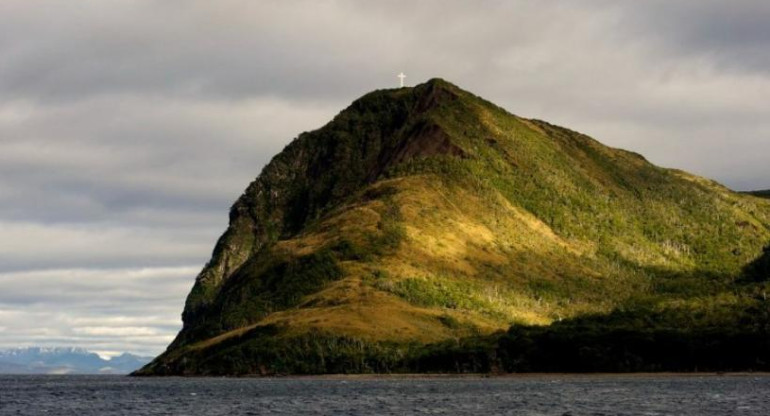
128, 127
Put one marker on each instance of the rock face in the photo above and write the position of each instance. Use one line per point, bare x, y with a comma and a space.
426, 214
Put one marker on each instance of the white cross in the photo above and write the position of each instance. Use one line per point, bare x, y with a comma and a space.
401, 77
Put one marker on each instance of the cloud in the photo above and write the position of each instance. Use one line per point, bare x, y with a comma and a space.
27, 246
108, 157
127, 128
732, 35
229, 49
117, 309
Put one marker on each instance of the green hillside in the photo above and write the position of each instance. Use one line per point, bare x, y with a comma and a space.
426, 229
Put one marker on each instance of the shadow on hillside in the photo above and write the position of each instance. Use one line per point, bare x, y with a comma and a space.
758, 270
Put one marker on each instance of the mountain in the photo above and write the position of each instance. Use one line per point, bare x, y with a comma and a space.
426, 229
761, 194
63, 360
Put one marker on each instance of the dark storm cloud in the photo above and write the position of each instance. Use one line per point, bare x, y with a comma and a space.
128, 127
734, 34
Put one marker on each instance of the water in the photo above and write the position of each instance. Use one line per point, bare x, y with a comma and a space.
529, 395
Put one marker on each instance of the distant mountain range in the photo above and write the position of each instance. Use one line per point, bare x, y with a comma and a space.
65, 360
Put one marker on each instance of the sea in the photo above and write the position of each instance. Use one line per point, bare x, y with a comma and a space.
700, 395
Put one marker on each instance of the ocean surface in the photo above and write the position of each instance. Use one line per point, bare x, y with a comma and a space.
525, 395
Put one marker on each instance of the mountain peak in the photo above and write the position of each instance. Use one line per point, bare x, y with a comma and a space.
418, 98
434, 92
437, 82
425, 214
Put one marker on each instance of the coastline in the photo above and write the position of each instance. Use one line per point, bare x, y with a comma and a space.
440, 376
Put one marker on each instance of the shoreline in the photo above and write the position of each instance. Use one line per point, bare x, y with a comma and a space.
438, 376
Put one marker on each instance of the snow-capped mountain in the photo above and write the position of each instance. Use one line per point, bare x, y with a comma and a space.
65, 360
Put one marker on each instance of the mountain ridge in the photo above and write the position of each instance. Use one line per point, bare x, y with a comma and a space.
425, 214
251, 204
65, 360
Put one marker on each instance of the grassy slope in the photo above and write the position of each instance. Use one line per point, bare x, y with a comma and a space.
527, 224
